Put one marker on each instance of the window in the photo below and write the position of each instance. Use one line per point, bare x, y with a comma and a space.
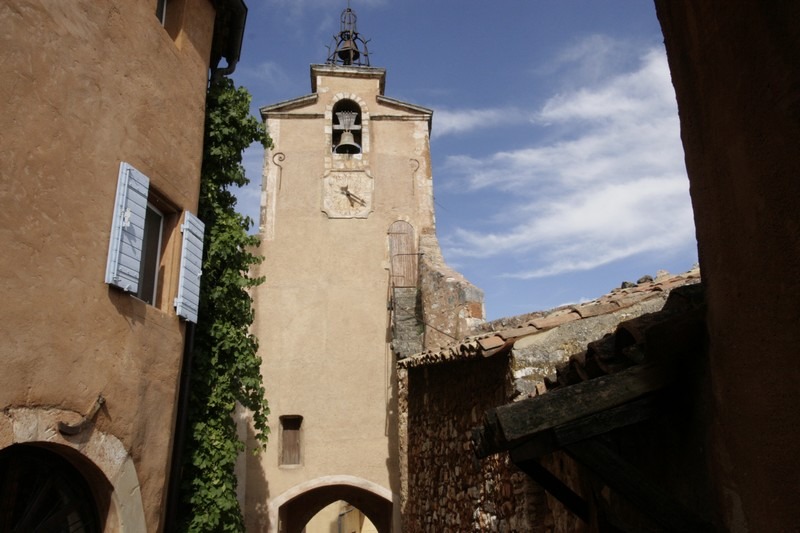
170, 14
346, 127
290, 439
134, 252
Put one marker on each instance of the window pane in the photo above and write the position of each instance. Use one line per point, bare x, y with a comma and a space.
151, 252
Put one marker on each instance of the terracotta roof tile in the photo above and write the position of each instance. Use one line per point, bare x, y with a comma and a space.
495, 341
516, 333
670, 283
628, 299
554, 319
627, 346
596, 308
594, 361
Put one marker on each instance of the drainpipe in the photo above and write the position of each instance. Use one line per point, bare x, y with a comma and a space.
228, 36
227, 42
179, 440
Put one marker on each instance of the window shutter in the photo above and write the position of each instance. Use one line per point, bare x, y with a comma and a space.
290, 439
127, 229
403, 254
188, 299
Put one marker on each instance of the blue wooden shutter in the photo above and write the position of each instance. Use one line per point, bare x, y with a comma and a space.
188, 299
127, 229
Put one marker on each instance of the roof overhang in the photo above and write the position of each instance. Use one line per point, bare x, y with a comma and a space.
229, 26
288, 105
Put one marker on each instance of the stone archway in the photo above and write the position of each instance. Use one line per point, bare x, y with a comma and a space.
48, 488
100, 457
291, 511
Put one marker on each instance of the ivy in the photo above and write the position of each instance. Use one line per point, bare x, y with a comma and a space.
225, 367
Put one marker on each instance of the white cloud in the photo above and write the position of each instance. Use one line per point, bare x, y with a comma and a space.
266, 74
455, 121
590, 60
611, 186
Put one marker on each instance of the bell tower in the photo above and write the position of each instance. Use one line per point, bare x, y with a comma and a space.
346, 204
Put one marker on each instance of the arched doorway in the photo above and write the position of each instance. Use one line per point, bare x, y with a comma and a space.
43, 491
298, 505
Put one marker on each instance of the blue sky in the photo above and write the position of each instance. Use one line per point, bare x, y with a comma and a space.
557, 164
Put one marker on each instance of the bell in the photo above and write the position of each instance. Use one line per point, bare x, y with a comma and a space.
347, 144
348, 52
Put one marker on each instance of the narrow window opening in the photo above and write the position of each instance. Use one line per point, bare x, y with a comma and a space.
290, 439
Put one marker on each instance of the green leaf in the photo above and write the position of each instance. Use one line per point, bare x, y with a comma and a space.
226, 367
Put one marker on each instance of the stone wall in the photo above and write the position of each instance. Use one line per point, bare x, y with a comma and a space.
444, 394
537, 356
407, 328
452, 307
445, 487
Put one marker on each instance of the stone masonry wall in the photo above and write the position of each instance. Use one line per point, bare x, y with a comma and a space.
444, 394
452, 307
407, 329
446, 489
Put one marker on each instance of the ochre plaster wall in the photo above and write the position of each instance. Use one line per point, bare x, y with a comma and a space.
322, 314
734, 67
85, 86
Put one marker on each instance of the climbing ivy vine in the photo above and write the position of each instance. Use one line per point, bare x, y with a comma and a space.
225, 366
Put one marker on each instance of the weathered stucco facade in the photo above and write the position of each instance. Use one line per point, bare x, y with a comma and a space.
341, 238
736, 79
87, 86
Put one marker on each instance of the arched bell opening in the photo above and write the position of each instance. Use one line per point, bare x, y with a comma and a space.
346, 127
51, 488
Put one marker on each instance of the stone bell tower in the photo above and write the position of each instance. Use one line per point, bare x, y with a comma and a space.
346, 208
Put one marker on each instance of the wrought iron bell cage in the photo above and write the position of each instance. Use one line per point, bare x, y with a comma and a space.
348, 47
